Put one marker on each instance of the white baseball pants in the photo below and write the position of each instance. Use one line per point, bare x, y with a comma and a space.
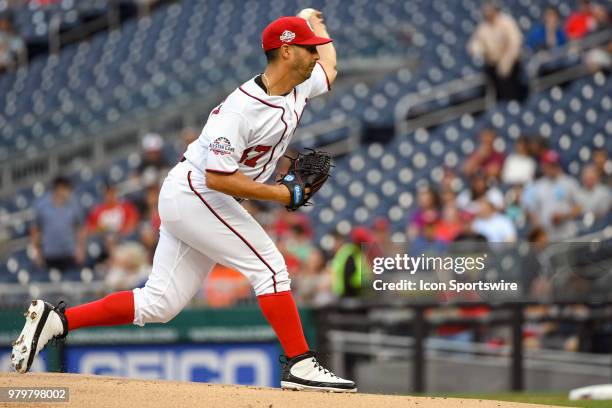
201, 227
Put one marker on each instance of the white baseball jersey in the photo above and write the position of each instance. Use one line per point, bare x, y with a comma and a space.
251, 130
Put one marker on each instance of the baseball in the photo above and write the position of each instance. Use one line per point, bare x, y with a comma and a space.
306, 13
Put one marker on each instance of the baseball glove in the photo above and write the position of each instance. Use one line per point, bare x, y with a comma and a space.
306, 172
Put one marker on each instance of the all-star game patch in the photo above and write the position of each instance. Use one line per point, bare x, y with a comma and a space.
287, 36
221, 146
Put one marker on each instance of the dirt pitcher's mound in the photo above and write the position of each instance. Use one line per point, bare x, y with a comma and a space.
99, 391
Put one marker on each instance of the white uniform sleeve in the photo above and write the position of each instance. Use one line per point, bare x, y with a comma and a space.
228, 133
318, 83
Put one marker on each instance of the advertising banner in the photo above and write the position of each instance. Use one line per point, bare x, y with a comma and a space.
234, 363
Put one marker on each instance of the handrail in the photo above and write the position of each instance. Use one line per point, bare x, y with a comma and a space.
553, 250
409, 101
406, 103
72, 288
390, 340
311, 132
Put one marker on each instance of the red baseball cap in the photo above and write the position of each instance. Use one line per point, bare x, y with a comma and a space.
361, 235
289, 30
380, 223
550, 157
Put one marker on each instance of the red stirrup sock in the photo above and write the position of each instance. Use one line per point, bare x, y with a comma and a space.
282, 314
112, 310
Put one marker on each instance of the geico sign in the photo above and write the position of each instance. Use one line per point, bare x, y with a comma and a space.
173, 365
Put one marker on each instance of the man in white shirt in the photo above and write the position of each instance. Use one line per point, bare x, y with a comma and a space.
519, 167
498, 40
203, 224
553, 200
490, 222
594, 197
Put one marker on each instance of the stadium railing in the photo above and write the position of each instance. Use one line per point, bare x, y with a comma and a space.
358, 332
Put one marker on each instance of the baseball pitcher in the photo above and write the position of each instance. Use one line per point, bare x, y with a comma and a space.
203, 223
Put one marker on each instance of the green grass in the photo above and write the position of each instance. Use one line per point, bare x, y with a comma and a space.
552, 398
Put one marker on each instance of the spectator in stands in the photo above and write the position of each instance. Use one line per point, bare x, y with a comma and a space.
57, 232
349, 263
536, 146
298, 246
450, 180
452, 218
594, 197
451, 223
519, 166
536, 267
428, 211
427, 242
382, 244
498, 40
600, 160
12, 47
548, 34
485, 158
447, 195
469, 199
538, 238
491, 222
313, 285
114, 216
585, 20
553, 200
153, 164
129, 266
337, 241
282, 221
514, 206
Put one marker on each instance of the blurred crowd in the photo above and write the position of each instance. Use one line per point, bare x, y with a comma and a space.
495, 196
524, 195
527, 187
